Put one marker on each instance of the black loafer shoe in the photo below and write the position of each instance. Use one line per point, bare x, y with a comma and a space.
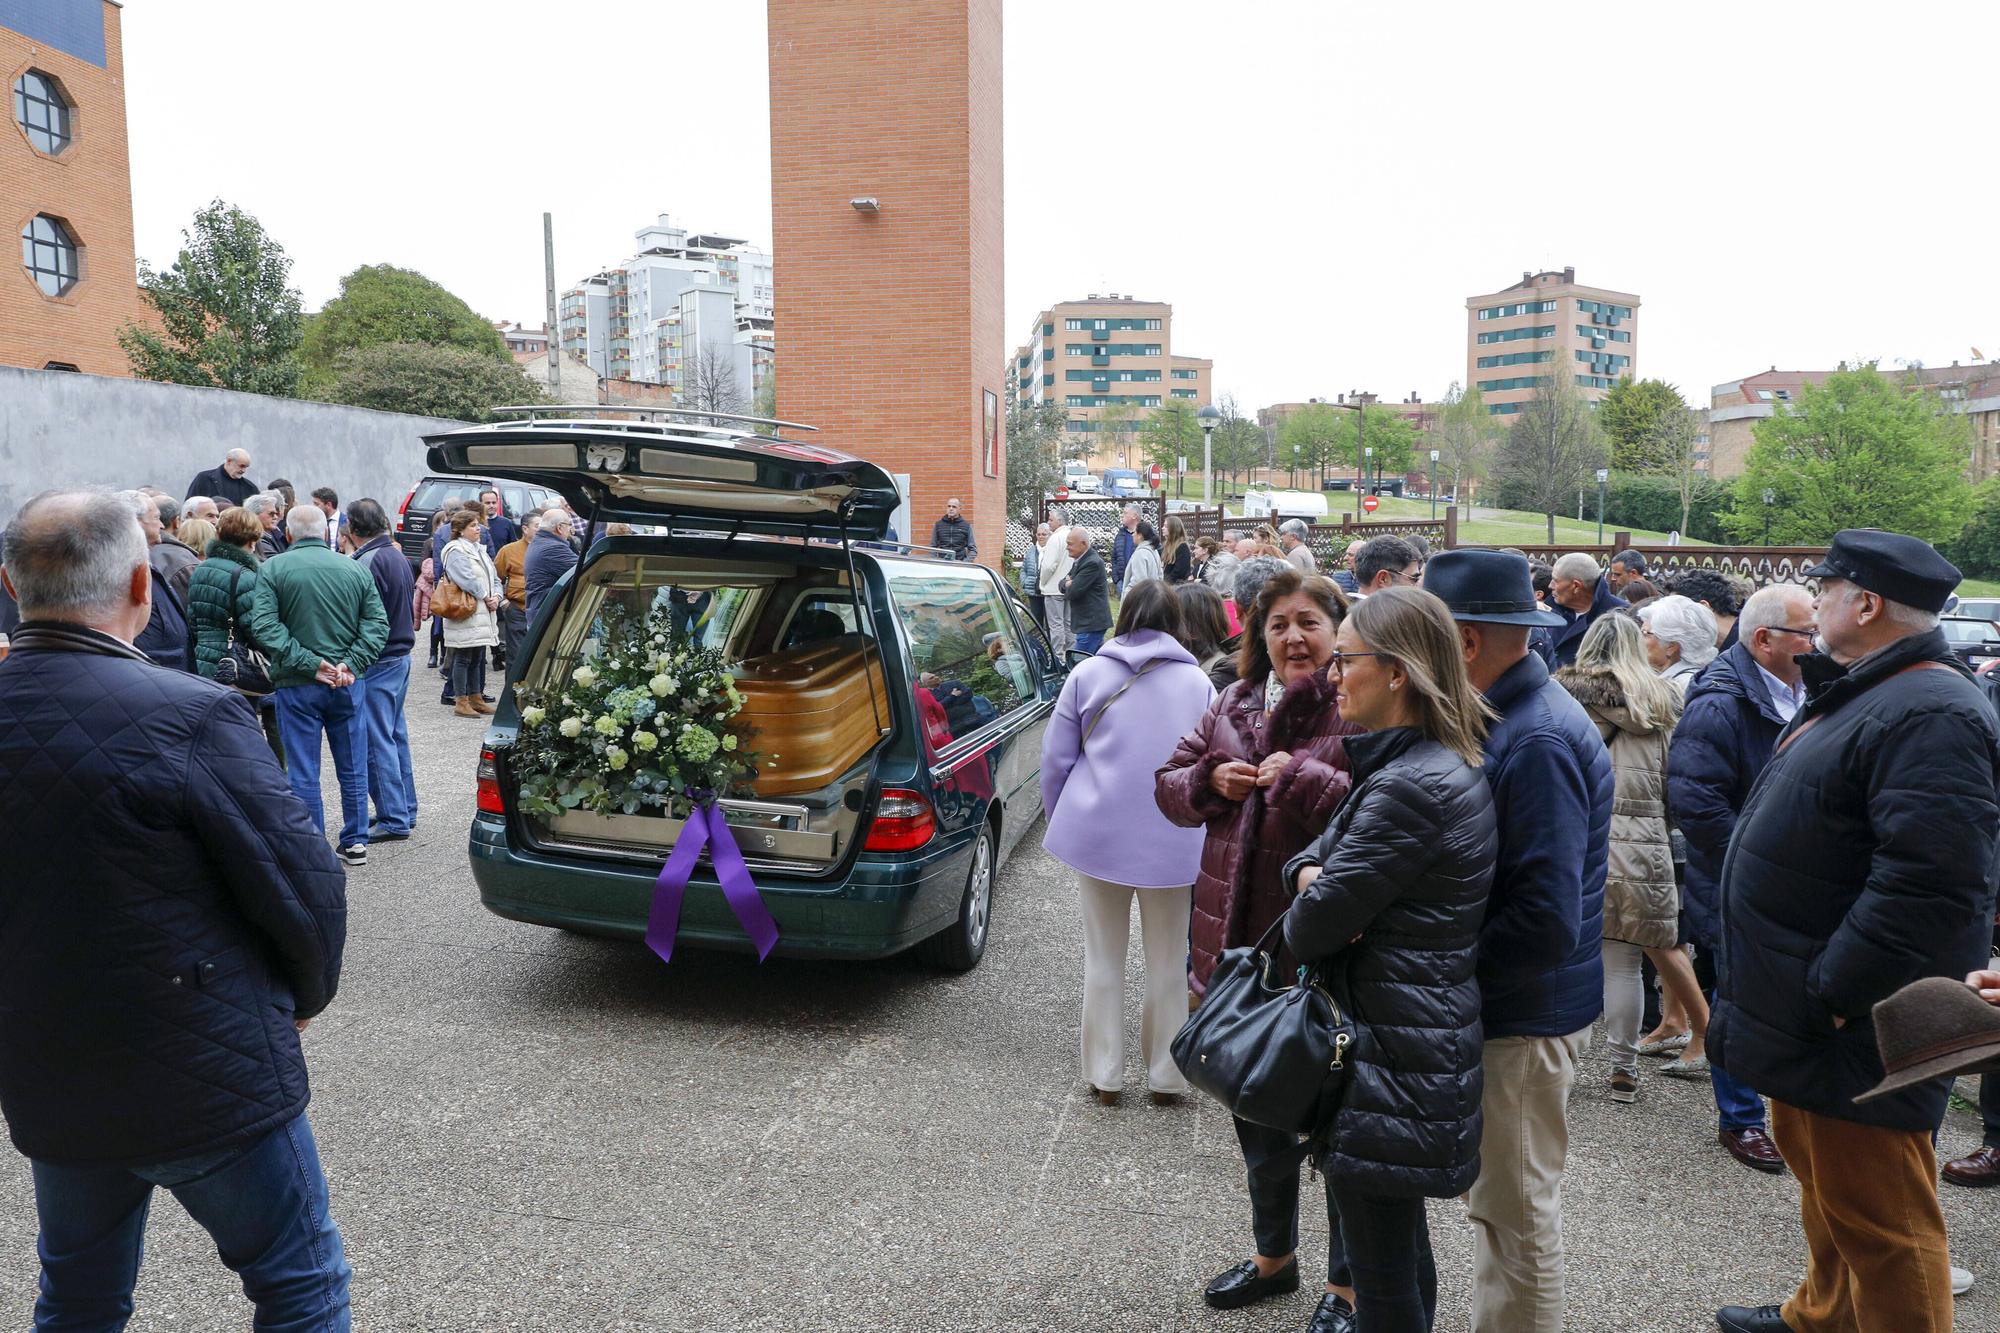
1751, 1319
1334, 1315
1240, 1286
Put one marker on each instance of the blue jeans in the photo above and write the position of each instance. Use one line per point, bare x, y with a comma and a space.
1089, 640
391, 785
1737, 1105
304, 712
265, 1208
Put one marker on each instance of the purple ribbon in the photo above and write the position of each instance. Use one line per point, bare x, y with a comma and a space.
707, 827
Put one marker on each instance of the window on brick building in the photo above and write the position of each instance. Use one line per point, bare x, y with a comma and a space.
42, 111
62, 365
49, 253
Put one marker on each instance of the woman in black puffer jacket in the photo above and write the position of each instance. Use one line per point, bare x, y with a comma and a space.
1390, 901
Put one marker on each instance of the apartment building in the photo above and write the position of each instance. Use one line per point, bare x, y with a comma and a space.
1548, 323
681, 300
1108, 360
1737, 406
66, 169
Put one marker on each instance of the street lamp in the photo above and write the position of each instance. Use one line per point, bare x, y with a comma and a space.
1770, 498
1209, 418
1295, 467
1368, 457
1603, 476
1432, 482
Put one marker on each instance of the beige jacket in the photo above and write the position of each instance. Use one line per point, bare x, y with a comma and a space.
1055, 562
1641, 902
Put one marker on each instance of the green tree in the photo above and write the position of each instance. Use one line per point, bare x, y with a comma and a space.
1976, 549
1632, 416
1238, 445
1552, 450
450, 382
1464, 435
380, 303
1311, 438
228, 318
764, 403
1393, 438
1118, 427
1034, 454
1859, 451
1171, 434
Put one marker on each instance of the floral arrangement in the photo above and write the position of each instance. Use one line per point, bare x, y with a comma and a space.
636, 727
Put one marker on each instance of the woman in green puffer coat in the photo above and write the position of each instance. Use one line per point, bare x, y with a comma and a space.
220, 592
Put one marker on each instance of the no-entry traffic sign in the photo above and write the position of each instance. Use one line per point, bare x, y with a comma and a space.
1062, 492
1370, 504
1158, 477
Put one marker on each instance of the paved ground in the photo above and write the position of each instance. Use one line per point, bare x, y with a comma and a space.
527, 1130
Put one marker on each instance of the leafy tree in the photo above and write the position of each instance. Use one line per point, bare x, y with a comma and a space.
764, 403
1657, 504
1171, 434
1632, 416
1034, 454
1976, 549
1312, 437
380, 303
1464, 436
1673, 447
1859, 451
1239, 444
228, 319
1552, 449
1117, 427
451, 382
1393, 438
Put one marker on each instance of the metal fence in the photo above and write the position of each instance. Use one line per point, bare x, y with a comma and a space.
1760, 566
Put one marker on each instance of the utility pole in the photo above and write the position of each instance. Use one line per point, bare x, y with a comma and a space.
549, 319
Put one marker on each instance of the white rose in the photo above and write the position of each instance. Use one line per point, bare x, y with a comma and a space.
661, 686
533, 715
571, 727
584, 676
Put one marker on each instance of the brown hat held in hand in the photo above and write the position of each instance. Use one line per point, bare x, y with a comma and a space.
1933, 1028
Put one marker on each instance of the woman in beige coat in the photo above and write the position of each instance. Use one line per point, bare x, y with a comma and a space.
1635, 711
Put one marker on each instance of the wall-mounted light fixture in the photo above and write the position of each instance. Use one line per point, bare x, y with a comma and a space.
866, 203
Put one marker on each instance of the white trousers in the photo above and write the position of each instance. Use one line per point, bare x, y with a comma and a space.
1163, 931
1056, 608
1624, 1003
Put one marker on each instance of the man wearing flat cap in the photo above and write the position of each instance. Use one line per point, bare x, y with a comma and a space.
1861, 862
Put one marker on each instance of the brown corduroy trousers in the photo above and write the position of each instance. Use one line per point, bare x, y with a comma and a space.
1875, 1244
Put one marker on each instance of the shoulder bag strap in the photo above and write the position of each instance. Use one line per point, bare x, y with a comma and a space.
1130, 681
1817, 718
235, 578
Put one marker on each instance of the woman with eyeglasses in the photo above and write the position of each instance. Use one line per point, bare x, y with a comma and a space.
1390, 901
1679, 637
1263, 773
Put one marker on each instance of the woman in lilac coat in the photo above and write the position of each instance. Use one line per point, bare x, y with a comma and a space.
1119, 718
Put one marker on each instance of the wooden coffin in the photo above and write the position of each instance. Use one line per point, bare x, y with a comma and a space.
811, 708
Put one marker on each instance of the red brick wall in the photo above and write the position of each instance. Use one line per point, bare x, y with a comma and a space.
89, 187
889, 324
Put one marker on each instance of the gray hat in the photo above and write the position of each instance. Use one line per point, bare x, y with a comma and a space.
1932, 1028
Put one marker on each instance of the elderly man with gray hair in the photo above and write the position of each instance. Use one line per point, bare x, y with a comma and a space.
321, 622
166, 931
1579, 592
1050, 571
1292, 534
268, 508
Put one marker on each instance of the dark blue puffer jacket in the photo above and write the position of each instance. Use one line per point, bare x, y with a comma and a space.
1722, 743
1541, 970
166, 911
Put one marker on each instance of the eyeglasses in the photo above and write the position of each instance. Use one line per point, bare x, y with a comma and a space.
1412, 579
1340, 660
1810, 631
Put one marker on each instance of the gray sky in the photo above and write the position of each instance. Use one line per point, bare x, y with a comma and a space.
1317, 187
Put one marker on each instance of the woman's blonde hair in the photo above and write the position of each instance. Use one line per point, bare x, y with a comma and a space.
1415, 629
1613, 645
197, 533
1173, 537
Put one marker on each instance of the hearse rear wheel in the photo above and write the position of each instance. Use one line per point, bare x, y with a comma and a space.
960, 946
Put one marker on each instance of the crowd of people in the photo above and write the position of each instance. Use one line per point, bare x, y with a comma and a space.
1501, 802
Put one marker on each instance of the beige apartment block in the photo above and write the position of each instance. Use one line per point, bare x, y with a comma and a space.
1104, 358
1736, 407
1546, 324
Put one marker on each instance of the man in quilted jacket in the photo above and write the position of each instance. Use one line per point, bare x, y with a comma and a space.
164, 939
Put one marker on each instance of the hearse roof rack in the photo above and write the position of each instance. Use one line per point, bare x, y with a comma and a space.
646, 410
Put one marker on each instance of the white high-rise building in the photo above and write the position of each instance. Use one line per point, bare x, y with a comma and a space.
650, 318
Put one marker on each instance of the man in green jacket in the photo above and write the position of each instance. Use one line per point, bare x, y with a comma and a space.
318, 616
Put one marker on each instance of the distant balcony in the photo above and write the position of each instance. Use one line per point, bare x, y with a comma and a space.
1100, 359
1100, 386
1100, 335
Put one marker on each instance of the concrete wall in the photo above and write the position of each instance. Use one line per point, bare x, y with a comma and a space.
59, 429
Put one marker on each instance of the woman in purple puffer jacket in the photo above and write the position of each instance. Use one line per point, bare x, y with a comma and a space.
1118, 719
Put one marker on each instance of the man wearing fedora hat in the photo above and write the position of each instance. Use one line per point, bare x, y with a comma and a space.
1541, 968
1862, 861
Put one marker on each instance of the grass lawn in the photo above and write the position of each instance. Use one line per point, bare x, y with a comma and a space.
1979, 588
1495, 527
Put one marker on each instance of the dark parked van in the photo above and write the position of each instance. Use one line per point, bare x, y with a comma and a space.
908, 693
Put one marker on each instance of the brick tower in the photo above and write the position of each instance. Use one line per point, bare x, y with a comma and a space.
889, 324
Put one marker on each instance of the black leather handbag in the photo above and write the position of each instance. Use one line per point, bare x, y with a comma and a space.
241, 667
1275, 1055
